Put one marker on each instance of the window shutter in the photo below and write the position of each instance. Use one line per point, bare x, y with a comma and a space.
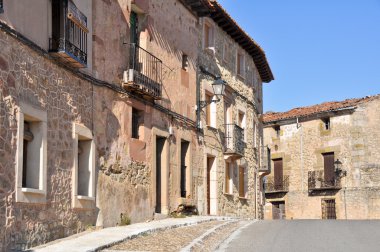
241, 182
227, 176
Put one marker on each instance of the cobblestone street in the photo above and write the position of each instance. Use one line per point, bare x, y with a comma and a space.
202, 237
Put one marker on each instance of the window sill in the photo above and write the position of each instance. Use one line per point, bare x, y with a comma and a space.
87, 198
228, 194
209, 50
242, 198
33, 191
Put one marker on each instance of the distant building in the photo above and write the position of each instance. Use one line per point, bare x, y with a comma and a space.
325, 161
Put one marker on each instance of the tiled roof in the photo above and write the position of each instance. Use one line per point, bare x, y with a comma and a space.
271, 117
229, 25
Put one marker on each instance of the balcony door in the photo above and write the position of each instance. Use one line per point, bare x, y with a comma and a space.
278, 174
328, 159
134, 21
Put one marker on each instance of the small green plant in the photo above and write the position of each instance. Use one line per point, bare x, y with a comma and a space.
124, 220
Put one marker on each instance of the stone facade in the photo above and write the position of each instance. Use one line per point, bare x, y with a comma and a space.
244, 96
126, 175
352, 136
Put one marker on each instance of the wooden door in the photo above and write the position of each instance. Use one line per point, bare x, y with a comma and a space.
278, 210
278, 174
329, 175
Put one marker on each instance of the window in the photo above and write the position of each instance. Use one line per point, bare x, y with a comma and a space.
277, 128
241, 123
70, 25
243, 182
208, 36
208, 112
31, 155
137, 120
329, 169
225, 52
185, 62
326, 123
254, 135
1, 6
328, 209
228, 178
84, 167
240, 64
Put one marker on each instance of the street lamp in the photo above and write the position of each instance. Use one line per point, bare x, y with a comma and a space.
219, 88
339, 172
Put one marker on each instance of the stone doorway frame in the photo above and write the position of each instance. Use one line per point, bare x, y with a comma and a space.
156, 133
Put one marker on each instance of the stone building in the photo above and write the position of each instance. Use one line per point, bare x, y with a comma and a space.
231, 124
325, 161
98, 118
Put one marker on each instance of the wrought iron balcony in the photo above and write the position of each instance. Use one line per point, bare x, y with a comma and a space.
69, 34
317, 182
144, 74
276, 186
234, 140
67, 52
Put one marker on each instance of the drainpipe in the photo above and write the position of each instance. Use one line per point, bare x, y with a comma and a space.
301, 154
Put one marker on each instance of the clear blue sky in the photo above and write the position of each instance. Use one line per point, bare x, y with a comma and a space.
319, 50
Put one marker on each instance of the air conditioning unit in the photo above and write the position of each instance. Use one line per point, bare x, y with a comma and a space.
128, 76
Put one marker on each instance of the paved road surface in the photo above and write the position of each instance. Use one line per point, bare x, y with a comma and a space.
307, 236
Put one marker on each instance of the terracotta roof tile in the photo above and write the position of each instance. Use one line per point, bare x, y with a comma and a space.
315, 109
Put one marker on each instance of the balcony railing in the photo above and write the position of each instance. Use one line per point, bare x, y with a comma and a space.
234, 139
317, 181
276, 186
68, 52
144, 75
68, 43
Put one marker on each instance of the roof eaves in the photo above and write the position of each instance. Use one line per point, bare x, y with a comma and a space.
229, 25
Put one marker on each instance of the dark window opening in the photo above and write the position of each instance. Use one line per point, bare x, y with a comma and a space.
137, 118
134, 28
1, 6
277, 128
326, 122
185, 62
28, 138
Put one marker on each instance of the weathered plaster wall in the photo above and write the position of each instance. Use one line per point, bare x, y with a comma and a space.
353, 138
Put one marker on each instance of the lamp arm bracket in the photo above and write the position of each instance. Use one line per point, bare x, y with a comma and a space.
203, 104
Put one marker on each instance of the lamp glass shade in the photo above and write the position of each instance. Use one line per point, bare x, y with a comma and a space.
338, 164
219, 87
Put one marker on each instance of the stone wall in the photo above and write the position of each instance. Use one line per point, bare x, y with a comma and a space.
32, 79
244, 93
353, 138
